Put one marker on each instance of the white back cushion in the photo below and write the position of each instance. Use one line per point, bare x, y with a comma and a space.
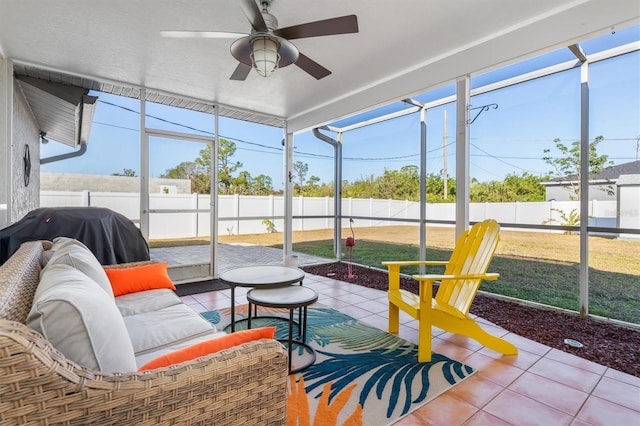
71, 252
58, 243
80, 320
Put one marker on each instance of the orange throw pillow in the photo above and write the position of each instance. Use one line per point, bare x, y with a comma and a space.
139, 278
207, 347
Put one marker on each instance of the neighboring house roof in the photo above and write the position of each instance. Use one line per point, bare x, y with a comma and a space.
610, 174
614, 172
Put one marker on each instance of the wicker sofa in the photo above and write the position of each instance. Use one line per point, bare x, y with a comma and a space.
245, 384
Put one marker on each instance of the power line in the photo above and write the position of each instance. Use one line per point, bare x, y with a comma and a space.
257, 150
500, 158
329, 157
155, 117
505, 162
181, 125
116, 126
309, 154
486, 171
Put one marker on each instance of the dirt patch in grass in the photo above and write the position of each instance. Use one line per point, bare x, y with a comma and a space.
604, 343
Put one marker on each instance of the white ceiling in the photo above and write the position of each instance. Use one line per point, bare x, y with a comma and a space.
404, 47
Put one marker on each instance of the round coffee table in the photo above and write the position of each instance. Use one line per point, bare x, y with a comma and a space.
260, 276
291, 297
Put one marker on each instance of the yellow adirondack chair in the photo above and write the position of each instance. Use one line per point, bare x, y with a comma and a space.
449, 310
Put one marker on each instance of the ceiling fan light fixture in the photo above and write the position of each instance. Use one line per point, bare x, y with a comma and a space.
264, 55
267, 47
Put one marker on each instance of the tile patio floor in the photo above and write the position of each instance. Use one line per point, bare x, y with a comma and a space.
539, 386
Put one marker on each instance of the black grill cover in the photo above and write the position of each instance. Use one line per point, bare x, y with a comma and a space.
110, 236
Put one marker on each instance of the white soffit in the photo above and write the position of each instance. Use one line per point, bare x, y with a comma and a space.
151, 96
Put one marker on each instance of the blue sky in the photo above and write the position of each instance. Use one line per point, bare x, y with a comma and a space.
509, 139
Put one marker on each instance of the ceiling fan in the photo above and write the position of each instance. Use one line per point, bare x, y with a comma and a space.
267, 47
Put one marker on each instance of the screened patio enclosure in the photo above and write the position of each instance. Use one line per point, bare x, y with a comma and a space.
336, 215
585, 67
291, 103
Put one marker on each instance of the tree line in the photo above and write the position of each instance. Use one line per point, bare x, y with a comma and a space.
402, 184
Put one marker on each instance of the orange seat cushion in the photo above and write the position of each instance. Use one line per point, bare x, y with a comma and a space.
207, 347
139, 278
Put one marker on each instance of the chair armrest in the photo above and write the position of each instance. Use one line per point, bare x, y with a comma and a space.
415, 262
434, 277
393, 268
246, 384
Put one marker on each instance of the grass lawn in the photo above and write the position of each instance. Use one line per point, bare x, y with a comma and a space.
534, 266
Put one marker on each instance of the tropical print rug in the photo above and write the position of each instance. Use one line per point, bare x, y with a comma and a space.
361, 375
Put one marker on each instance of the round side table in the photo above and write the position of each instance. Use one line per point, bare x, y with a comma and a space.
259, 276
291, 297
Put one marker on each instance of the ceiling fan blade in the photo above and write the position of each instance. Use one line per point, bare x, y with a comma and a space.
241, 72
254, 15
200, 34
342, 25
312, 67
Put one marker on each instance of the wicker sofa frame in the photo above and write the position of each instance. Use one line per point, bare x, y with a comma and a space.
39, 386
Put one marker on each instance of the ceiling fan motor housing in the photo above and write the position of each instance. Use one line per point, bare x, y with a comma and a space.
270, 20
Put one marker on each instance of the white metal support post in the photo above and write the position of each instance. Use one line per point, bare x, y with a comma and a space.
337, 187
584, 188
288, 194
144, 168
422, 251
213, 197
337, 198
462, 154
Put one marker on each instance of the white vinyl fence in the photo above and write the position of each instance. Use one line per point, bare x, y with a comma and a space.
245, 214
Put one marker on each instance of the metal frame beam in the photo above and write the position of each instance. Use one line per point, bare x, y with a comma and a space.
422, 250
462, 154
554, 69
213, 199
144, 168
584, 189
288, 194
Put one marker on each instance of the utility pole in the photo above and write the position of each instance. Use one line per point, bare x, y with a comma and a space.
444, 153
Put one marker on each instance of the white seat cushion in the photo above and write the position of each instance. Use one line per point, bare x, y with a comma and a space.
141, 302
145, 357
80, 320
153, 330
